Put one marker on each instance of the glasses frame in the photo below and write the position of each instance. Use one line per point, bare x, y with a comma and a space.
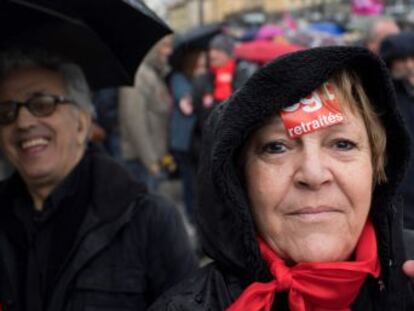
16, 105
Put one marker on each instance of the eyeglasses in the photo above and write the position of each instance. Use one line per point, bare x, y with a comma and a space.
39, 105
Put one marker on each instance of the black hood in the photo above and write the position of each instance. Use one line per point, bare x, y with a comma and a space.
225, 223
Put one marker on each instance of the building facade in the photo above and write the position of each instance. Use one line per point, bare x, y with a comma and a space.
184, 14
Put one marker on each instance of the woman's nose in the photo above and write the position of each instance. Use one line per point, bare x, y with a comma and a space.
312, 171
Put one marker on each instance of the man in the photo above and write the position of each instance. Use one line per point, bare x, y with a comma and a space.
225, 76
377, 30
76, 232
144, 112
397, 51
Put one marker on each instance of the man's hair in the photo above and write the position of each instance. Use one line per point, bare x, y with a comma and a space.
371, 31
352, 97
75, 80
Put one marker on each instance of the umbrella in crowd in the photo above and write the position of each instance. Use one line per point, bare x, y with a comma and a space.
107, 38
195, 39
263, 51
327, 27
249, 34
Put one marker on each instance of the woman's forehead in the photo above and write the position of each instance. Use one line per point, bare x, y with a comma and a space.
351, 122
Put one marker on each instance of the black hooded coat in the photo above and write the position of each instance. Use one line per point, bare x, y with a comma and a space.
396, 47
226, 225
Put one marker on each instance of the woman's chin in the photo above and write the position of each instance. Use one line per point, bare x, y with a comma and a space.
322, 250
326, 256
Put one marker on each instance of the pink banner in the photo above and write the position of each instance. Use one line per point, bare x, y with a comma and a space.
367, 7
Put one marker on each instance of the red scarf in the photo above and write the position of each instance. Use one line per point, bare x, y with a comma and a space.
321, 286
223, 80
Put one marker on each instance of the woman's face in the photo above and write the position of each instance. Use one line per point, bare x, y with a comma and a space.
310, 196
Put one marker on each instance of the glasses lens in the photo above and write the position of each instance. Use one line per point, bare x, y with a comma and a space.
42, 105
7, 112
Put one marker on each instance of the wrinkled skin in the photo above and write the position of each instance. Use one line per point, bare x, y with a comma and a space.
310, 196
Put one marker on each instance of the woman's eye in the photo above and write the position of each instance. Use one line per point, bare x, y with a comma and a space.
345, 144
274, 147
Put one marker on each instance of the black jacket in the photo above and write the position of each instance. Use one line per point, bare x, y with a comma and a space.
130, 247
405, 100
226, 225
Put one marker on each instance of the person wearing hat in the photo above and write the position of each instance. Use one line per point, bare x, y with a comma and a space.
298, 203
225, 75
377, 29
397, 51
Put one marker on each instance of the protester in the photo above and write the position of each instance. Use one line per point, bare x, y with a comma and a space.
183, 121
297, 191
378, 28
76, 231
398, 53
225, 76
144, 112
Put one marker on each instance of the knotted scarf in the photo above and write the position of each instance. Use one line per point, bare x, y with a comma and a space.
324, 286
223, 80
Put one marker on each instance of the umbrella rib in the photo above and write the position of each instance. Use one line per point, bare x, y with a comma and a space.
48, 11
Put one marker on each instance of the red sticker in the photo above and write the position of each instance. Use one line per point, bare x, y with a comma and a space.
318, 110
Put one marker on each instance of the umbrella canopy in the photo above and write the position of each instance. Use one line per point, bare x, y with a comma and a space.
327, 27
105, 37
264, 51
195, 39
249, 34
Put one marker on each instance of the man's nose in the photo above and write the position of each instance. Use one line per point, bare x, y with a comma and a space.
312, 171
25, 119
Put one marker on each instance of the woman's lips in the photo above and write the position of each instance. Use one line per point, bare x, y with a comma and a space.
315, 213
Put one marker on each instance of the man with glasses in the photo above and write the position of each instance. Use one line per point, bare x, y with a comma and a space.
76, 232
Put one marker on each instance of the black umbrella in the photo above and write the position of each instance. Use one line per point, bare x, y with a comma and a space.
195, 39
107, 38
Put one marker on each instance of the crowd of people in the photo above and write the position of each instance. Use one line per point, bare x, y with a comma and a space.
293, 213
155, 127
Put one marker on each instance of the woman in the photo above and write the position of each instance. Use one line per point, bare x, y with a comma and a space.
183, 120
297, 191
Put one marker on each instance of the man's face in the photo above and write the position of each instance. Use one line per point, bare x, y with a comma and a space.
218, 57
403, 68
381, 30
165, 49
42, 149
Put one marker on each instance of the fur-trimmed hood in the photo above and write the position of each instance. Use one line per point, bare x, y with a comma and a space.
225, 222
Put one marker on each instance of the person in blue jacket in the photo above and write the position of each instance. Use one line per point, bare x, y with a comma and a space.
183, 121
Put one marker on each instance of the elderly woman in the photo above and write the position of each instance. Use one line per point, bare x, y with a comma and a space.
297, 191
